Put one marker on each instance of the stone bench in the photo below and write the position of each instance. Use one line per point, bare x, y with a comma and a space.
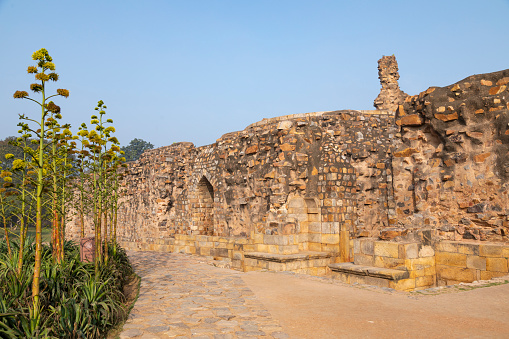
378, 272
368, 275
314, 263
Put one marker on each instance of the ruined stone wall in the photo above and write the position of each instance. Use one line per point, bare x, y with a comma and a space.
319, 180
451, 160
245, 183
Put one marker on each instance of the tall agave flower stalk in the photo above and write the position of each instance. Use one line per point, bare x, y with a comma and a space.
44, 72
101, 157
23, 170
4, 205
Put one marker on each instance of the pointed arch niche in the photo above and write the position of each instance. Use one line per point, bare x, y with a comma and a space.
204, 209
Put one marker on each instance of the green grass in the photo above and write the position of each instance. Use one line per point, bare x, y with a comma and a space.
46, 234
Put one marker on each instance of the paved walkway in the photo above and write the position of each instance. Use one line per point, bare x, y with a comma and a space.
181, 296
184, 296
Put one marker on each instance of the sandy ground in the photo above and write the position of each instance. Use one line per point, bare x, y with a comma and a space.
309, 308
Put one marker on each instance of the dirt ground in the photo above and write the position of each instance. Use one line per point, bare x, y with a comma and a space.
311, 308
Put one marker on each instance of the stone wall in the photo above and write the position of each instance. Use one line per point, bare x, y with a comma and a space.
294, 176
297, 192
451, 161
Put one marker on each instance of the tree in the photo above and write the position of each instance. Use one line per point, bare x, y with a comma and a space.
135, 148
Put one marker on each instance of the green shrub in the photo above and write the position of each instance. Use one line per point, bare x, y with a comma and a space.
75, 301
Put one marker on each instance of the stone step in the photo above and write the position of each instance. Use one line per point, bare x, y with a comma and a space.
370, 271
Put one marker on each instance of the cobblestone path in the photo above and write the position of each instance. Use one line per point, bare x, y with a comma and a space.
182, 296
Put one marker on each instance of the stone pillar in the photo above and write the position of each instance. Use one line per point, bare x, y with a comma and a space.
390, 95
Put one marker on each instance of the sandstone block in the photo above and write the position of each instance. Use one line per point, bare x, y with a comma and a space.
451, 259
425, 281
367, 246
420, 263
468, 248
492, 250
403, 284
330, 239
426, 251
447, 246
487, 275
497, 89
456, 273
496, 264
406, 152
364, 260
409, 251
474, 261
411, 120
447, 117
480, 158
387, 262
286, 124
386, 249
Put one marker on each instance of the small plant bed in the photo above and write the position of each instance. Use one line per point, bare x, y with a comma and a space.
76, 300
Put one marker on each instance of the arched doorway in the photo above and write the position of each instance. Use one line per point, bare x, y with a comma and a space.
205, 207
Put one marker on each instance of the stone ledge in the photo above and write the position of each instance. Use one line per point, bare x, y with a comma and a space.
384, 273
281, 258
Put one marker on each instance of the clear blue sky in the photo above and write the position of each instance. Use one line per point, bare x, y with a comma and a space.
193, 70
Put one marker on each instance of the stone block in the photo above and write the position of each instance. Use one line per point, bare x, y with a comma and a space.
474, 261
314, 227
447, 246
425, 281
274, 249
388, 262
408, 251
426, 251
364, 260
343, 277
250, 248
456, 273
302, 237
403, 284
451, 259
357, 246
491, 250
218, 252
386, 249
315, 237
487, 275
331, 248
288, 249
430, 270
262, 248
420, 263
496, 264
368, 246
316, 247
330, 239
258, 238
204, 251
417, 273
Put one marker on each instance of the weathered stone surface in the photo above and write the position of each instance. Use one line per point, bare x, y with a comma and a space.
411, 120
437, 169
391, 95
